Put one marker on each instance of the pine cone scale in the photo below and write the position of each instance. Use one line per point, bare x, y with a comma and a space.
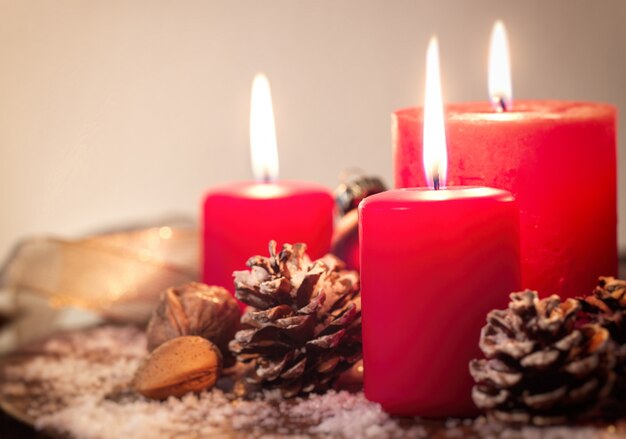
568, 342
491, 342
260, 319
314, 306
544, 401
306, 289
497, 374
254, 298
484, 397
541, 359
272, 370
328, 364
344, 320
295, 371
583, 367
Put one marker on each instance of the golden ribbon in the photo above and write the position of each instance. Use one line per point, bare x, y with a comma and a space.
117, 275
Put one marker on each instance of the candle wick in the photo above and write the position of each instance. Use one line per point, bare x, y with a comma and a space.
436, 185
266, 178
502, 108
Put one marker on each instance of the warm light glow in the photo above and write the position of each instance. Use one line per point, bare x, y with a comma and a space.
500, 90
165, 232
434, 145
263, 131
265, 191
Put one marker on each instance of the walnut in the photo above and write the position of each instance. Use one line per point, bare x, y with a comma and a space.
195, 309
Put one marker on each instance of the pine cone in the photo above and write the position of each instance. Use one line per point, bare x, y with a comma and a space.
305, 320
606, 306
541, 368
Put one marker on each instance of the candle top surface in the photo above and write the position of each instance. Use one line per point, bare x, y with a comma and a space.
251, 189
400, 198
522, 111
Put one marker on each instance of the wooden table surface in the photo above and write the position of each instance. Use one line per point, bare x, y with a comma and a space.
11, 428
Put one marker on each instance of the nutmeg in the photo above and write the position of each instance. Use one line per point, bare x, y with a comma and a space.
179, 366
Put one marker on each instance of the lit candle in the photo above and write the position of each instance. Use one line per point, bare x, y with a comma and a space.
434, 261
240, 218
558, 159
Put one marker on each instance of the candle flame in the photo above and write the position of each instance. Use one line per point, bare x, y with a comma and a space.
500, 89
435, 155
263, 131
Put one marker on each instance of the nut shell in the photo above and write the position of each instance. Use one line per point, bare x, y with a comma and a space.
179, 366
195, 309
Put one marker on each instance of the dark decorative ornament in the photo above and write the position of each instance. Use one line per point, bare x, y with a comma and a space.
304, 321
354, 189
195, 309
348, 195
541, 367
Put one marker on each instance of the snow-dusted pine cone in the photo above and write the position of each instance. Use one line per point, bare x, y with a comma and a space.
541, 367
606, 306
304, 319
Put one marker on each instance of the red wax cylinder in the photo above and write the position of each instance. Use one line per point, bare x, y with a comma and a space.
239, 219
433, 263
558, 158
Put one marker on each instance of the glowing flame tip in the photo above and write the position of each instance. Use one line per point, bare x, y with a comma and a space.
263, 131
500, 89
435, 155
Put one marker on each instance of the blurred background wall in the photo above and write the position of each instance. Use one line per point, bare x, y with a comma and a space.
113, 112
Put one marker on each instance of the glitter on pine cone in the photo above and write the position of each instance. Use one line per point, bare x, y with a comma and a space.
541, 367
304, 321
606, 306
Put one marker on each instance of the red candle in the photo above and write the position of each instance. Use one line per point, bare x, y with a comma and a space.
433, 263
557, 158
239, 219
